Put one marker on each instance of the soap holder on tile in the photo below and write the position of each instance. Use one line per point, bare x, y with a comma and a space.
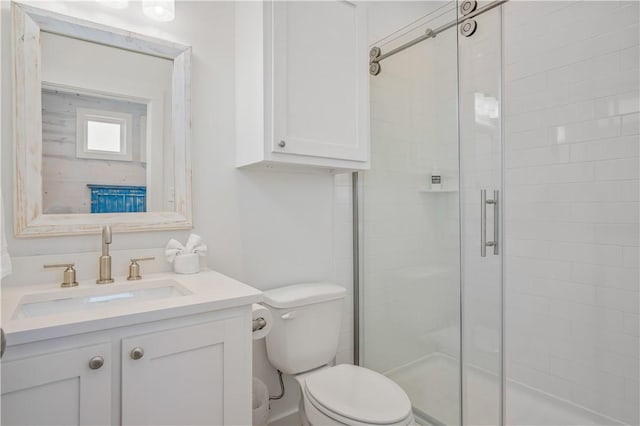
186, 263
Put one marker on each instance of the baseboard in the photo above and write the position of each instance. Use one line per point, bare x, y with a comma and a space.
288, 419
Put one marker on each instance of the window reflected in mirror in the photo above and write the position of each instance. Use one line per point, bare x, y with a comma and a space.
93, 153
104, 137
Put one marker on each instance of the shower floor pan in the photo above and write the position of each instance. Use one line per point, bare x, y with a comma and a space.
431, 383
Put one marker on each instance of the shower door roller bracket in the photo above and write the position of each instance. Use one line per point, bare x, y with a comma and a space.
468, 6
468, 27
483, 222
374, 64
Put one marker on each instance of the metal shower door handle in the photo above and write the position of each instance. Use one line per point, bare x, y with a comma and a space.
483, 222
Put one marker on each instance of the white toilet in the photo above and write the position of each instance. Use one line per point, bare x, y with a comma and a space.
304, 339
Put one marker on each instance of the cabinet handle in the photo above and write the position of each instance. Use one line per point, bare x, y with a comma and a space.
282, 144
96, 362
137, 353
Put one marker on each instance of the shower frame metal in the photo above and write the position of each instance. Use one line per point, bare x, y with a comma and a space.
376, 55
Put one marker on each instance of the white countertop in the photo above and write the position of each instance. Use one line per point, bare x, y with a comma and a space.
209, 291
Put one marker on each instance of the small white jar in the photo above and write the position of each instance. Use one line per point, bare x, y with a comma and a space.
186, 263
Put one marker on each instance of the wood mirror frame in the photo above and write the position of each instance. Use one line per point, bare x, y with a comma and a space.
29, 219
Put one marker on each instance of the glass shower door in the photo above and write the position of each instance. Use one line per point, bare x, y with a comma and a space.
480, 206
410, 238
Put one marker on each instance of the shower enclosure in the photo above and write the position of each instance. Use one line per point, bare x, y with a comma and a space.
509, 293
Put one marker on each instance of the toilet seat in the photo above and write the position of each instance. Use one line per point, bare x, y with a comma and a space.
355, 395
313, 413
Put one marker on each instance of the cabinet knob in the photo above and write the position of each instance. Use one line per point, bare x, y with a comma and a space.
282, 144
96, 362
137, 353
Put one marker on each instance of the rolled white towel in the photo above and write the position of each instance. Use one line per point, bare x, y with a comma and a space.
171, 254
201, 249
173, 249
193, 241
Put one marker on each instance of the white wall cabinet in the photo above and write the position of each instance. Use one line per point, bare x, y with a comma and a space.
302, 84
192, 370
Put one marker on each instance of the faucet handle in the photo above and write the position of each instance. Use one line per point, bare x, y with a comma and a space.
69, 275
134, 268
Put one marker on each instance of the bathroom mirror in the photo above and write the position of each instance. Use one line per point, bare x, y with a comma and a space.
102, 125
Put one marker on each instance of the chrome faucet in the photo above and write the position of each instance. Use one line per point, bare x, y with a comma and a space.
105, 259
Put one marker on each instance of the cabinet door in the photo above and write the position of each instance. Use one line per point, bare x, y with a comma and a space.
321, 79
58, 389
195, 375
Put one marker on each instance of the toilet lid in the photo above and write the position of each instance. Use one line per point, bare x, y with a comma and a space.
359, 394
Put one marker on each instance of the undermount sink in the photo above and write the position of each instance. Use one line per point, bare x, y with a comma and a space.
86, 299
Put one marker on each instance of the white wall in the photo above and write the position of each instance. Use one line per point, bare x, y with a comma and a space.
572, 143
266, 229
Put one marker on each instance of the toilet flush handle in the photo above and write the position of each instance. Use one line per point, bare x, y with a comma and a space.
289, 315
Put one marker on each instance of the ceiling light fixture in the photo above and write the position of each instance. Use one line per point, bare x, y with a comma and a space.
160, 10
115, 4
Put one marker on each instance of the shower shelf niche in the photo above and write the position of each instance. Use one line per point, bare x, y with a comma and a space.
429, 190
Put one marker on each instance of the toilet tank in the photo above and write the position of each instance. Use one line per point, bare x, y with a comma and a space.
306, 325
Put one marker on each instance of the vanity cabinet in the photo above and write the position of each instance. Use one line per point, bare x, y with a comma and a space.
187, 370
181, 376
302, 85
58, 388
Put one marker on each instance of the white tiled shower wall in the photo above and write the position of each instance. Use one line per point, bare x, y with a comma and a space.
571, 138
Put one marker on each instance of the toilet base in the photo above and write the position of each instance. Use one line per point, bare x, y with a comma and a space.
304, 421
315, 417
